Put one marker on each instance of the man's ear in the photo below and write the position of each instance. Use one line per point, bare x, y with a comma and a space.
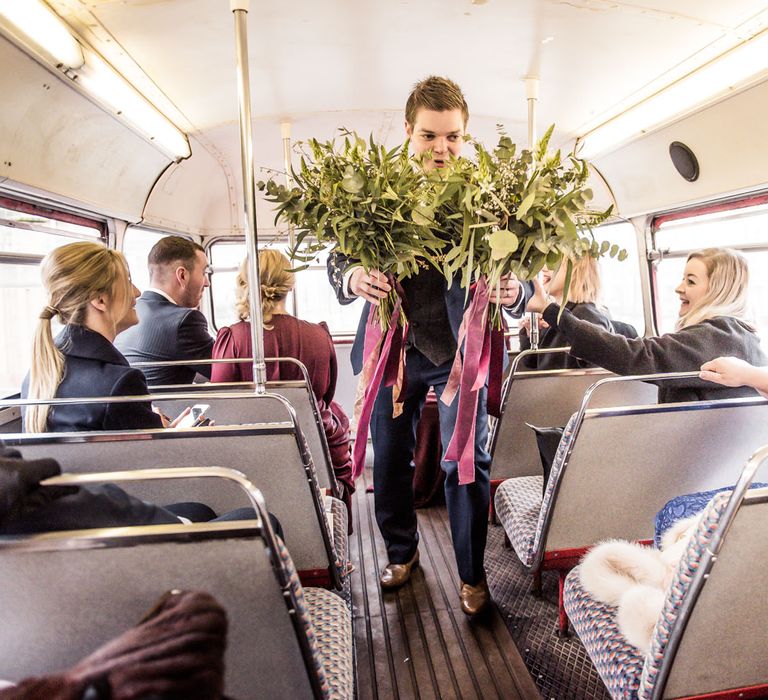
182, 275
408, 129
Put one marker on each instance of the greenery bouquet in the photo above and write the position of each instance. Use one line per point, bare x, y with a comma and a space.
515, 212
373, 205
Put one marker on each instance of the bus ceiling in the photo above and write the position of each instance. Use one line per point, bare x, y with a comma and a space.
321, 66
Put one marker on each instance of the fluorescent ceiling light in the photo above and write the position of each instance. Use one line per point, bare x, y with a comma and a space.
34, 24
734, 68
110, 89
37, 28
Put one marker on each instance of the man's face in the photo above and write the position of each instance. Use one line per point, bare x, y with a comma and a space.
196, 282
439, 132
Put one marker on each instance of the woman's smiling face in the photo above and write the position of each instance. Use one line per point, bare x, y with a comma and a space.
693, 286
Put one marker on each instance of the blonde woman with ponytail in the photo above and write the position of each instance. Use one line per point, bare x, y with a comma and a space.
287, 336
90, 292
712, 322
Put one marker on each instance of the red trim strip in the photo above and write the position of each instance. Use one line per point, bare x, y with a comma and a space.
559, 559
318, 578
742, 203
744, 693
66, 217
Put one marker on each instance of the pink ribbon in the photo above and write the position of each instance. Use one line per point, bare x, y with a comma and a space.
387, 366
467, 378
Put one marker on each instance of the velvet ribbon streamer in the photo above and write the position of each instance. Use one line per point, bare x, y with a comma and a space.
481, 358
383, 356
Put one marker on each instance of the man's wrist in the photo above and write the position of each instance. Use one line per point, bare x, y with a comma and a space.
346, 277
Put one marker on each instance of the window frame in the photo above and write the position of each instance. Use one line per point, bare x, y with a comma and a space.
26, 207
656, 255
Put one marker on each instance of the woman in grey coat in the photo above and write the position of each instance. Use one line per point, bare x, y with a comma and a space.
712, 323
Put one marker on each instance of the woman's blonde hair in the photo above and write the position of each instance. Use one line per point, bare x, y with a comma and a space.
727, 287
585, 281
276, 281
72, 275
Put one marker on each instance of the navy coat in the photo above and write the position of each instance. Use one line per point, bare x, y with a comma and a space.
94, 367
167, 332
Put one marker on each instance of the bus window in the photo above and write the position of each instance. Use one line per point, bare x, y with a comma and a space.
620, 281
137, 242
314, 297
27, 233
742, 228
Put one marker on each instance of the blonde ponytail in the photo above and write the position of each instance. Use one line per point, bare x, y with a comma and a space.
45, 373
72, 275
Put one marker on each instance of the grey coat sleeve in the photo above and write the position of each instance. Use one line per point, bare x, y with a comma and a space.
683, 351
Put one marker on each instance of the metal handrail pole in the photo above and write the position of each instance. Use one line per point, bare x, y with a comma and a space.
240, 12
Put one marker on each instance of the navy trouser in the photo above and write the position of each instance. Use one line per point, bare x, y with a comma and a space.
393, 444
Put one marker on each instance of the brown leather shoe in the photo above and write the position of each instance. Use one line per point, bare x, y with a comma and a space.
474, 599
395, 575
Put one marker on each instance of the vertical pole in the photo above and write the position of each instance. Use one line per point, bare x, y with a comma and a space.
240, 10
532, 95
285, 132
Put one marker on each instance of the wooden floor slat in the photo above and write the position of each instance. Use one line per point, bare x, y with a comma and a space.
415, 642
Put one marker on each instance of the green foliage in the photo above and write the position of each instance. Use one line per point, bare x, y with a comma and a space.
516, 212
374, 205
504, 212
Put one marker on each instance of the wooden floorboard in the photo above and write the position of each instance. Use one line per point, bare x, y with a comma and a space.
415, 642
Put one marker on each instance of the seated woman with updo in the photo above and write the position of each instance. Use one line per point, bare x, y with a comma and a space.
583, 294
287, 336
712, 322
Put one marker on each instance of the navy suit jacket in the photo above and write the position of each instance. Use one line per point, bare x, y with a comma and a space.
167, 332
454, 304
94, 367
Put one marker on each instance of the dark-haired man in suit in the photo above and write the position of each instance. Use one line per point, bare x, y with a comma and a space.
436, 116
170, 326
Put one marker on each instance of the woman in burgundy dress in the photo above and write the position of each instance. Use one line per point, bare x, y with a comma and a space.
287, 336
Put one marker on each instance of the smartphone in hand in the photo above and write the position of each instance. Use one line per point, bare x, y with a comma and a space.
195, 417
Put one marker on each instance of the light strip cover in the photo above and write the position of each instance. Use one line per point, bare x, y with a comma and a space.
731, 70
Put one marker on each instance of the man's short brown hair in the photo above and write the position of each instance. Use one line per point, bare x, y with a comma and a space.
173, 249
437, 94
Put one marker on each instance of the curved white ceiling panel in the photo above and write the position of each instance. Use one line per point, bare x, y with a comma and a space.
54, 139
729, 140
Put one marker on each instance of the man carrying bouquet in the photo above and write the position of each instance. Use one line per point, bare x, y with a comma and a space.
436, 116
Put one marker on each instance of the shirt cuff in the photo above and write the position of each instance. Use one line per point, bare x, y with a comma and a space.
345, 282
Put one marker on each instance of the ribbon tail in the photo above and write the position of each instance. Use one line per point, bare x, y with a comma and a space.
496, 372
371, 392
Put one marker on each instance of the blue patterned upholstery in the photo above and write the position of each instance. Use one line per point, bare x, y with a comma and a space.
340, 538
304, 619
626, 673
618, 662
689, 563
684, 506
332, 623
520, 507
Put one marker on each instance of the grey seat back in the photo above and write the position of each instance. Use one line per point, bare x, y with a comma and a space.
62, 595
548, 398
224, 412
724, 644
271, 455
624, 464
